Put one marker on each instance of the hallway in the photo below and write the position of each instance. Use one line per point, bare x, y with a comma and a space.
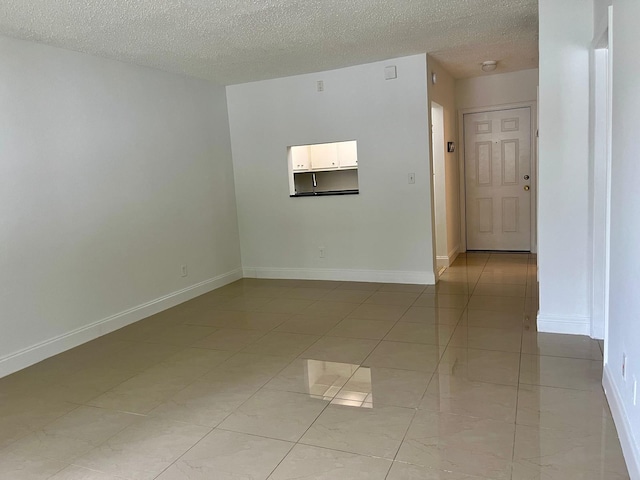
284, 379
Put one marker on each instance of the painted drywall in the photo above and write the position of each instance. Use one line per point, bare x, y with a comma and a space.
111, 177
566, 30
385, 232
444, 93
600, 18
498, 89
624, 306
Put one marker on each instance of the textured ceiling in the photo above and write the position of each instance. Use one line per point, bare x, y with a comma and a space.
235, 41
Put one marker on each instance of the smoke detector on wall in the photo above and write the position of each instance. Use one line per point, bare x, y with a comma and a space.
489, 65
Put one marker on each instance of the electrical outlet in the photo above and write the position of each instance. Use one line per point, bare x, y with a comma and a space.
322, 252
183, 271
624, 366
320, 85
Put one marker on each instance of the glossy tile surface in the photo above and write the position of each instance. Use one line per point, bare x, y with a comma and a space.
144, 449
565, 453
275, 414
459, 443
459, 395
74, 433
407, 471
376, 431
288, 379
324, 464
27, 466
227, 456
490, 366
73, 472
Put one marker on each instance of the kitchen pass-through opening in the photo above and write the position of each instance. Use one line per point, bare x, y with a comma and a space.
323, 169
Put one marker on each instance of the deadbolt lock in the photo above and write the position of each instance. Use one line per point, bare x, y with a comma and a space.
526, 177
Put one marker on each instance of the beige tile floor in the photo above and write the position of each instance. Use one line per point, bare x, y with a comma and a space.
279, 380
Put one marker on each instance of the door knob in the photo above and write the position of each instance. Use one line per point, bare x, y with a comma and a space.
526, 188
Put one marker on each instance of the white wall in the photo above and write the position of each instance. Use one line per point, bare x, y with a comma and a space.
624, 306
444, 93
600, 18
498, 89
566, 30
111, 177
385, 232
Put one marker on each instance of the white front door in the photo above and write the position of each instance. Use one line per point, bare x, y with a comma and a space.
497, 151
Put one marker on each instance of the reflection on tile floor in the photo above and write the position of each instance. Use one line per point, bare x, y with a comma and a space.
273, 379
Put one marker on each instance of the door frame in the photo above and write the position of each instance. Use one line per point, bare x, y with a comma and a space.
601, 73
534, 167
439, 202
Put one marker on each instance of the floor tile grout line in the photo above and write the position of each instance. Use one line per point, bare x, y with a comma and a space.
433, 374
515, 418
187, 451
281, 460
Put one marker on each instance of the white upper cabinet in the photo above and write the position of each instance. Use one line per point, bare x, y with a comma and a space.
300, 158
348, 154
324, 156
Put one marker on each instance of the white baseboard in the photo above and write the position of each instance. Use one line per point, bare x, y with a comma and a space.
386, 276
630, 446
576, 325
443, 261
453, 254
36, 353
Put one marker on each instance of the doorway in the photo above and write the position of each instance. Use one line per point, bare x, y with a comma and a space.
498, 179
439, 185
